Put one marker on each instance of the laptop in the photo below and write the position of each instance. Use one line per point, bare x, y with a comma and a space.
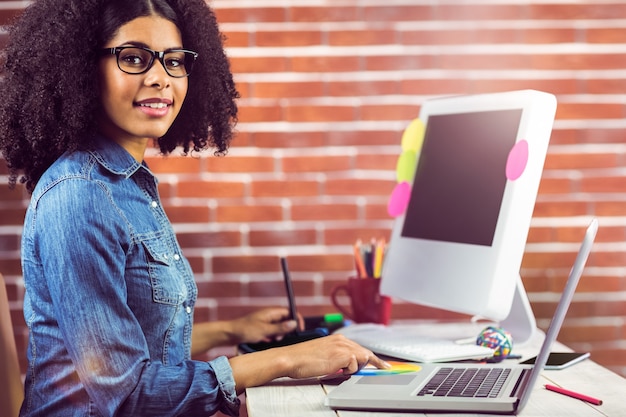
504, 389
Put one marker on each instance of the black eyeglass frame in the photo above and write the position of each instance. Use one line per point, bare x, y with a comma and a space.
160, 55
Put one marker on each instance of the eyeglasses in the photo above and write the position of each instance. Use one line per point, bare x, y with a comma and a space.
178, 63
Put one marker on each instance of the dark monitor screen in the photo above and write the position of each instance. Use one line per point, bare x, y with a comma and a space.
460, 178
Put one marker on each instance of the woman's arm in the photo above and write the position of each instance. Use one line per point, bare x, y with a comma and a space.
318, 357
261, 325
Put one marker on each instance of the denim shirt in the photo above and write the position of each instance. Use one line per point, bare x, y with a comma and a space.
109, 298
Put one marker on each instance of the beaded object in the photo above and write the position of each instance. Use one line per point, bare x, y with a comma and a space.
498, 339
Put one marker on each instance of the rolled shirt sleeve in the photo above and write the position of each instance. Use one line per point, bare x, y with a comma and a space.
224, 375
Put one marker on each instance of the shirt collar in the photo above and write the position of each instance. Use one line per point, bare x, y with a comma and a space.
114, 158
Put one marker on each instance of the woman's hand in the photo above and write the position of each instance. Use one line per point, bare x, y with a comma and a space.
315, 358
262, 326
259, 326
329, 355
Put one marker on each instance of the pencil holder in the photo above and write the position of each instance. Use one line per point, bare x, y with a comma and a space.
366, 303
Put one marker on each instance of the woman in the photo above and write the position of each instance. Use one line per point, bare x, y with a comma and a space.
87, 86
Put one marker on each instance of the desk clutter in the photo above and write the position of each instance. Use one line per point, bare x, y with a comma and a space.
330, 322
367, 305
371, 313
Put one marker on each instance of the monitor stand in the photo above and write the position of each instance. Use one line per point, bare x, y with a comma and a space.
521, 321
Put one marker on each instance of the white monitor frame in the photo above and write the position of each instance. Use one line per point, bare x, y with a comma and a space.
477, 279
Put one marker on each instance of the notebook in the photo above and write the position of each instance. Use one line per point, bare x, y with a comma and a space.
505, 388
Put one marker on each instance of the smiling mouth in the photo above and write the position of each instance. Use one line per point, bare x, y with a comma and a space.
154, 105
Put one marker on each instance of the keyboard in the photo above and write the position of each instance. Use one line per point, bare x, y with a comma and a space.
412, 346
471, 382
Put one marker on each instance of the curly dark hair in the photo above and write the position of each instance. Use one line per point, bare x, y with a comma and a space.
49, 86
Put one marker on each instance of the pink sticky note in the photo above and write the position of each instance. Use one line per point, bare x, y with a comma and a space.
399, 199
517, 160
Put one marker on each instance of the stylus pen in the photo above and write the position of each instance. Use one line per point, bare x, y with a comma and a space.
573, 394
292, 304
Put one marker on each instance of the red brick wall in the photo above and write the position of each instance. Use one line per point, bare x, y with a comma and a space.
327, 89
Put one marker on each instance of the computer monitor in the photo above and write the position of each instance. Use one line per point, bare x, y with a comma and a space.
463, 218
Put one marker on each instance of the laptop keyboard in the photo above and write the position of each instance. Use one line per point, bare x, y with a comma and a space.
466, 382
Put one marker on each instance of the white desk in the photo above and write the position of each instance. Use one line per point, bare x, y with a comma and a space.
293, 398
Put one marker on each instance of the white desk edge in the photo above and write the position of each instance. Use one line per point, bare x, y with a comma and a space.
293, 398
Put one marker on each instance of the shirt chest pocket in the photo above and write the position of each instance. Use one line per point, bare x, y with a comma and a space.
168, 286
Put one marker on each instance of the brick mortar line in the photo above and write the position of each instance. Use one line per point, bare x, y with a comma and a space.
286, 77
434, 25
407, 99
382, 50
14, 5
240, 4
356, 126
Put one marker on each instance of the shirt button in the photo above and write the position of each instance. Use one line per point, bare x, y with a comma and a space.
176, 257
188, 310
154, 204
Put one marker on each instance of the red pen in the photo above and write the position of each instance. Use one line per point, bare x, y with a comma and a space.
573, 394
